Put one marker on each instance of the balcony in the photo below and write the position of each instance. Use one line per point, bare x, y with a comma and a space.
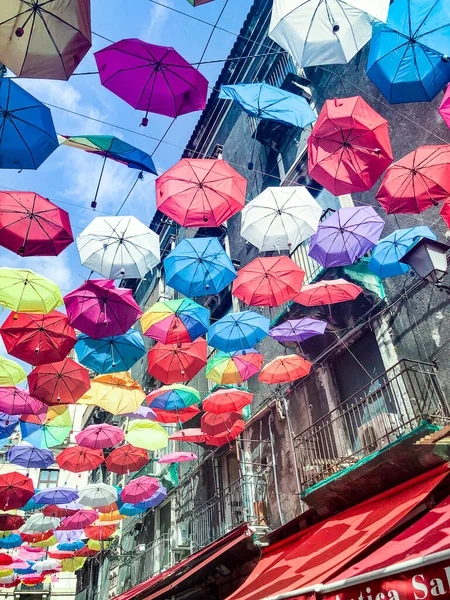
157, 558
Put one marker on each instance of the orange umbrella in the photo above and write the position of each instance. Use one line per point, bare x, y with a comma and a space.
188, 435
219, 425
176, 416
99, 532
227, 400
220, 440
327, 292
284, 369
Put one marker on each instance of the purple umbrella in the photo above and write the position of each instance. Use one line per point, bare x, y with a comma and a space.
66, 537
151, 78
143, 412
297, 330
56, 495
346, 236
155, 500
30, 457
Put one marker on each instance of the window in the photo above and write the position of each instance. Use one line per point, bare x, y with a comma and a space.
48, 478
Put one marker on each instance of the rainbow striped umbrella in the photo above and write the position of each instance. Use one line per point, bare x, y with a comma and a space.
175, 321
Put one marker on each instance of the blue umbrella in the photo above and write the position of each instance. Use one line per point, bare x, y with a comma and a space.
238, 331
409, 55
27, 133
155, 500
264, 101
7, 424
198, 267
110, 354
32, 504
387, 253
71, 546
11, 541
56, 495
30, 457
28, 571
130, 510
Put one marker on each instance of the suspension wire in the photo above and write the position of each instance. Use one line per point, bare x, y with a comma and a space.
211, 34
140, 177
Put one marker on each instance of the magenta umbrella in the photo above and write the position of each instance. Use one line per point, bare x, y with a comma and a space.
177, 457
14, 401
100, 436
99, 309
151, 78
139, 490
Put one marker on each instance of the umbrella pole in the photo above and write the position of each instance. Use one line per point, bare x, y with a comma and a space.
94, 201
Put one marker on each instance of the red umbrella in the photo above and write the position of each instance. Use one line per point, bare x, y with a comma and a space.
176, 416
81, 519
188, 435
99, 532
62, 382
33, 226
85, 552
78, 459
10, 522
60, 554
200, 192
126, 459
175, 363
32, 579
52, 510
227, 401
349, 146
284, 369
38, 339
330, 291
417, 181
34, 538
15, 490
100, 436
268, 281
139, 489
445, 212
218, 425
220, 440
14, 401
5, 559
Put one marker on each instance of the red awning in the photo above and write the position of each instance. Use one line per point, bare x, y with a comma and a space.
327, 547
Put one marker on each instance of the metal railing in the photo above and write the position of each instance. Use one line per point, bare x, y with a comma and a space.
390, 406
157, 558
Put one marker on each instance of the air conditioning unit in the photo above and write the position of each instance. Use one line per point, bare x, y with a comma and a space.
180, 537
382, 429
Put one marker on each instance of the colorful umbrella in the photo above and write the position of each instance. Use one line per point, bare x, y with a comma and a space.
56, 495
38, 339
118, 247
226, 401
298, 330
98, 437
385, 258
8, 522
44, 40
38, 523
97, 494
219, 424
126, 459
175, 321
280, 218
417, 181
24, 291
330, 291
151, 78
139, 489
78, 459
31, 505
444, 108
10, 372
146, 435
110, 354
99, 309
117, 393
172, 363
28, 133
173, 397
29, 457
14, 401
268, 281
409, 55
176, 416
177, 457
234, 367
284, 369
238, 331
345, 236
70, 565
47, 428
349, 146
15, 490
188, 435
62, 382
81, 519
200, 192
198, 267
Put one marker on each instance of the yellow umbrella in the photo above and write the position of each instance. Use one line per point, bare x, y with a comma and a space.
6, 573
52, 541
97, 546
22, 290
11, 373
112, 517
147, 435
70, 565
117, 393
5, 534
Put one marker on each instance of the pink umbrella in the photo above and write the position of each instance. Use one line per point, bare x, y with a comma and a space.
139, 490
444, 109
99, 309
14, 401
100, 436
81, 519
176, 457
28, 553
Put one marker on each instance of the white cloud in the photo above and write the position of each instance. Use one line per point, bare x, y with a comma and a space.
61, 93
158, 16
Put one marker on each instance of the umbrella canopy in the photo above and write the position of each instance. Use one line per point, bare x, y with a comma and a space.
173, 397
444, 108
297, 330
11, 541
198, 267
110, 354
126, 459
345, 236
349, 146
11, 373
49, 427
99, 532
408, 59
8, 522
219, 424
175, 321
200, 192
226, 401
117, 393
172, 363
15, 490
70, 565
330, 291
385, 258
38, 523
81, 519
139, 489
177, 457
31, 225
50, 564
28, 133
268, 281
99, 309
85, 552
417, 181
234, 367
62, 382
97, 494
29, 457
176, 416
52, 510
151, 78
146, 435
143, 412
24, 291
238, 331
98, 437
7, 425
56, 495
284, 369
445, 212
71, 546
78, 459
68, 536
188, 435
38, 339
280, 218
118, 247
44, 40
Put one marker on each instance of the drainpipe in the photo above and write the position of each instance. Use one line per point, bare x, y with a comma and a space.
291, 440
274, 462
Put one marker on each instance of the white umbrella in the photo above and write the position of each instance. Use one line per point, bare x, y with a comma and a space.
39, 523
97, 494
280, 218
119, 247
46, 565
324, 32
